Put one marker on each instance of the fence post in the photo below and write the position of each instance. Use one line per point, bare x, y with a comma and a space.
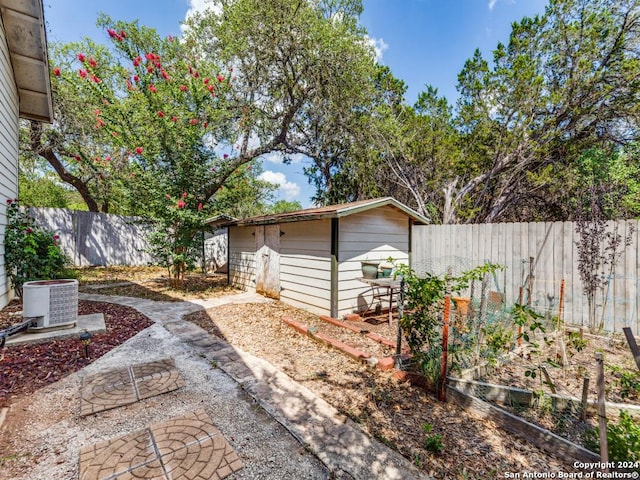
563, 350
585, 397
602, 419
632, 345
530, 282
442, 395
481, 314
561, 301
398, 363
520, 326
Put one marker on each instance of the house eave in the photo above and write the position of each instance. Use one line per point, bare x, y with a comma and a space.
23, 22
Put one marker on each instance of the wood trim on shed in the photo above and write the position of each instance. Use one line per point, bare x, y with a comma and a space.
335, 254
410, 242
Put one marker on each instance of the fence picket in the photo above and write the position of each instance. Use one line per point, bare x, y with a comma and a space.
553, 246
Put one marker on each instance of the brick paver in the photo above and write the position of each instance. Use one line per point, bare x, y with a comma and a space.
188, 447
107, 390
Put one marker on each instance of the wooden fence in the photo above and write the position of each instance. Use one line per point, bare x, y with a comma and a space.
100, 239
97, 239
435, 248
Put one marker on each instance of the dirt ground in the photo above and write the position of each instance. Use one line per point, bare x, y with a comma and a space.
403, 416
153, 283
619, 367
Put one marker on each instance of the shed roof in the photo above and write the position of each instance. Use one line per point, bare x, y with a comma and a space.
23, 22
219, 220
331, 211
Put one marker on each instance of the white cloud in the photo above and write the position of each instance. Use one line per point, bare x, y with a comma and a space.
278, 158
290, 190
492, 3
379, 46
202, 5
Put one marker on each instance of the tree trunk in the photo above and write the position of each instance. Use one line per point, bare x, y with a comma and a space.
448, 211
46, 152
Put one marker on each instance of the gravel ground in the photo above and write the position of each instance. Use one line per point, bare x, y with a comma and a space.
42, 434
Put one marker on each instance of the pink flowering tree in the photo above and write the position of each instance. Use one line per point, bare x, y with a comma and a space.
93, 167
190, 116
159, 114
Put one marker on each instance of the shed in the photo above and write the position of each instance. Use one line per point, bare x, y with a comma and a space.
25, 92
311, 258
215, 242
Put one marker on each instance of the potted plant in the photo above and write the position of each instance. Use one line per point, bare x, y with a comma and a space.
387, 267
369, 268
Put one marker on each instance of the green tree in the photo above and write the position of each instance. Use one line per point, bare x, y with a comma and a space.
567, 81
362, 171
161, 113
72, 146
283, 206
423, 156
304, 73
261, 77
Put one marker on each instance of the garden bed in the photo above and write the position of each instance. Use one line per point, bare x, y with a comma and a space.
622, 377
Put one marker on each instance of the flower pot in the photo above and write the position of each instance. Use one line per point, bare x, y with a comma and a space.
462, 305
385, 272
370, 269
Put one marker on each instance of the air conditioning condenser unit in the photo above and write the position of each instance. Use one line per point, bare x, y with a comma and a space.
50, 303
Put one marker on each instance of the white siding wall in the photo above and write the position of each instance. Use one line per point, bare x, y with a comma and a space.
242, 263
8, 152
215, 250
372, 235
305, 265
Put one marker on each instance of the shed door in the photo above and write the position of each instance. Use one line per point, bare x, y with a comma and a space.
268, 260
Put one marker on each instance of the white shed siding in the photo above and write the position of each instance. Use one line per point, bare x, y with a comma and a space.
372, 235
305, 265
8, 151
242, 257
215, 250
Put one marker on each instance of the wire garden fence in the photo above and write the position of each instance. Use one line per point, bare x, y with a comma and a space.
548, 373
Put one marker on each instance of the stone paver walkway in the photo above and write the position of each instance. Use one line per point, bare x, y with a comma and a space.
115, 388
338, 442
189, 447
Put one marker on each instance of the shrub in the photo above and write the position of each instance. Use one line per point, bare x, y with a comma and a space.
31, 251
433, 441
623, 440
422, 323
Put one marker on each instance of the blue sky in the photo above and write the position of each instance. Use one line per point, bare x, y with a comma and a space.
422, 41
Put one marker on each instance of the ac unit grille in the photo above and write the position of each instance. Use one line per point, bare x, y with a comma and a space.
63, 303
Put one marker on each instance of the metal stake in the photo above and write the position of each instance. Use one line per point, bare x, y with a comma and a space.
398, 364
